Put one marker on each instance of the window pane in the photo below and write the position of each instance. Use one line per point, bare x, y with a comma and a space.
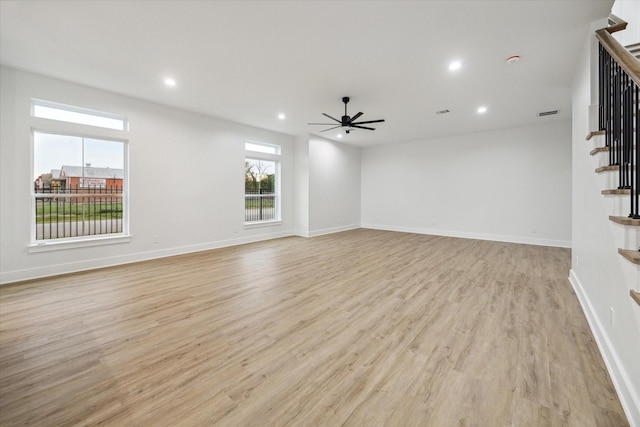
259, 176
76, 115
101, 153
261, 201
261, 148
50, 153
79, 186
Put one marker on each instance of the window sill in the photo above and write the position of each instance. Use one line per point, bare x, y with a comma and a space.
53, 245
257, 224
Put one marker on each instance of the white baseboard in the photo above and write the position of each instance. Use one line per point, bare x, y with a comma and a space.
74, 267
302, 233
477, 236
628, 392
333, 230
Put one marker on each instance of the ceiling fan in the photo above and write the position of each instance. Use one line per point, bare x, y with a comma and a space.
348, 122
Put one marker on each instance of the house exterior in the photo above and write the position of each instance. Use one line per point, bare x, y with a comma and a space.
88, 177
48, 182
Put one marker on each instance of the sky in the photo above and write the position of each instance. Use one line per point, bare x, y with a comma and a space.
52, 151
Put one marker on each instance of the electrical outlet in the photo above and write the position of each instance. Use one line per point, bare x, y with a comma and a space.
156, 239
577, 260
534, 230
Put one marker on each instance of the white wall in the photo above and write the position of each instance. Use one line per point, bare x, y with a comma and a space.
334, 186
597, 271
629, 10
510, 185
186, 179
301, 186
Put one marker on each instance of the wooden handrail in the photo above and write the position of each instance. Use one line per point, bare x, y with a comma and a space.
615, 24
621, 55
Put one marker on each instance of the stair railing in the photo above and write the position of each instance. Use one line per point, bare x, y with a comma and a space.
619, 108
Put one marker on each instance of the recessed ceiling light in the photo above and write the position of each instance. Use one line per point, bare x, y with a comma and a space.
169, 81
455, 65
281, 116
482, 110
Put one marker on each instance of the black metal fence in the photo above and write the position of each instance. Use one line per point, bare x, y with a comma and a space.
259, 207
619, 117
72, 212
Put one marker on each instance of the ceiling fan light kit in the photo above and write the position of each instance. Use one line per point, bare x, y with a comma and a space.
346, 121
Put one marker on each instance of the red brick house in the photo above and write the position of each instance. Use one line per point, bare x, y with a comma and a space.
79, 177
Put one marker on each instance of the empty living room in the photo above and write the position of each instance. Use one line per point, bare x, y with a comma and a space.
319, 213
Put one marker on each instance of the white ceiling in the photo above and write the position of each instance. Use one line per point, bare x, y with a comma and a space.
247, 61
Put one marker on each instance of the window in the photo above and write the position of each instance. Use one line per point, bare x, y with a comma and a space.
79, 189
261, 183
71, 114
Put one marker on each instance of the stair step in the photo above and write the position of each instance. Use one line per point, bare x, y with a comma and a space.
634, 49
630, 254
595, 133
635, 295
616, 191
599, 150
608, 168
624, 220
603, 150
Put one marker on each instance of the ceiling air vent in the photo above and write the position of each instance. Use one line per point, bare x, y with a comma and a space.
548, 113
443, 112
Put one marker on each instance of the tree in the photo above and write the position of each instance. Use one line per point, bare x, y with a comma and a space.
250, 178
259, 176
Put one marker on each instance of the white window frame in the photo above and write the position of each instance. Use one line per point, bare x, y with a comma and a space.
255, 150
80, 130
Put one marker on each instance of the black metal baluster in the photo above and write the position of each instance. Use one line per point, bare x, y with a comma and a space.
635, 194
624, 131
616, 137
600, 87
628, 131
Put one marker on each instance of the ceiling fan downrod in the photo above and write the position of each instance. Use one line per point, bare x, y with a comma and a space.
345, 118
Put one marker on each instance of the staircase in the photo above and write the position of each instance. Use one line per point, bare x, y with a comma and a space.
606, 201
628, 228
614, 144
634, 49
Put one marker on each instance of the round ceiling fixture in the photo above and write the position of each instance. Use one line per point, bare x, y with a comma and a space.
456, 65
513, 59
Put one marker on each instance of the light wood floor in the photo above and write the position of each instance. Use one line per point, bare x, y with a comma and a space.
359, 328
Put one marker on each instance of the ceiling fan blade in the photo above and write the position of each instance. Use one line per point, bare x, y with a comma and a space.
369, 121
361, 127
335, 127
332, 118
324, 124
355, 117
